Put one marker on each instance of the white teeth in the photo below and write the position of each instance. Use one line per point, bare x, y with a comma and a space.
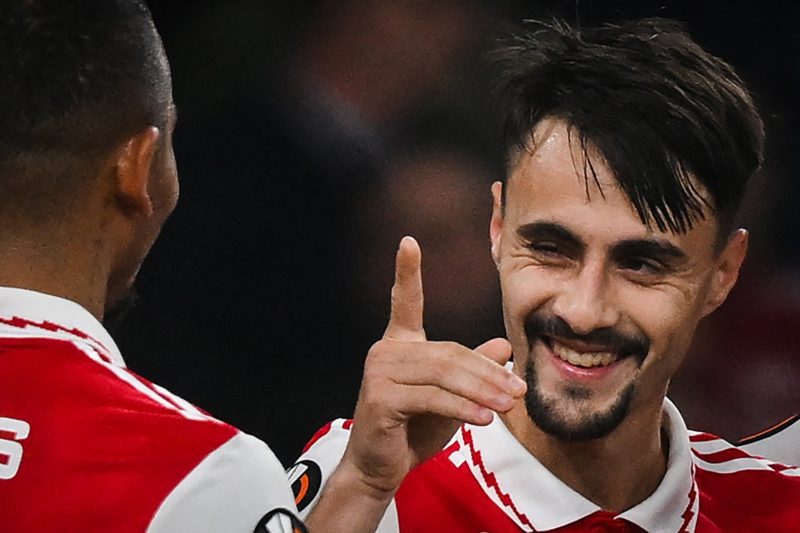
585, 359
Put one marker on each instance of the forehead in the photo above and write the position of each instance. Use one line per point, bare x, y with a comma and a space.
557, 181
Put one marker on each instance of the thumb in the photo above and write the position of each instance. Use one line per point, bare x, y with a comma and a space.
405, 321
498, 350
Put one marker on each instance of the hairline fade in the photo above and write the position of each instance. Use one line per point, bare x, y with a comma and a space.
78, 78
665, 115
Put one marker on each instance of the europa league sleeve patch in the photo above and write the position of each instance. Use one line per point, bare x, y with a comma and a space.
280, 521
306, 479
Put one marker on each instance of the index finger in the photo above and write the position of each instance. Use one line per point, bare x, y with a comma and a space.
405, 321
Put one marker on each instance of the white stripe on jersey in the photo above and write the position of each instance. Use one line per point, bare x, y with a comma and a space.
708, 447
734, 465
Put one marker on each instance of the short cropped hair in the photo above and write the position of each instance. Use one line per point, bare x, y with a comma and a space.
76, 78
656, 106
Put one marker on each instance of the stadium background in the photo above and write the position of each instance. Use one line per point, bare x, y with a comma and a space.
313, 135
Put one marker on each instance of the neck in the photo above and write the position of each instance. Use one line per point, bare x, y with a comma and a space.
52, 261
615, 472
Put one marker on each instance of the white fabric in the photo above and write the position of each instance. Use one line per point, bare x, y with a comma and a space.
43, 309
549, 503
229, 491
783, 447
505, 470
327, 456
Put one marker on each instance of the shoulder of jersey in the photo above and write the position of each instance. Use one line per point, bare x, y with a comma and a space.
56, 367
97, 432
744, 492
780, 442
321, 455
712, 454
112, 407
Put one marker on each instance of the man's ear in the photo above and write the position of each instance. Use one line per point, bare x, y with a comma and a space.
133, 165
496, 224
726, 271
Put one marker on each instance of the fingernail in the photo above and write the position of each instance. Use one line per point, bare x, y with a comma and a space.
485, 415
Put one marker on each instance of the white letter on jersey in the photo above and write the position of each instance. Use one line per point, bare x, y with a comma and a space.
11, 448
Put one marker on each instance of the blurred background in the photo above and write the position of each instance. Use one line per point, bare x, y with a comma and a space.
314, 134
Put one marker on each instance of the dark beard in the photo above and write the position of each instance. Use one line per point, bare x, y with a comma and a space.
115, 316
544, 413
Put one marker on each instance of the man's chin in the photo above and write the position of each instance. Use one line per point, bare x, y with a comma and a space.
572, 418
119, 309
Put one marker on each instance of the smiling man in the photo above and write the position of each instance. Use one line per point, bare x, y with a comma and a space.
629, 149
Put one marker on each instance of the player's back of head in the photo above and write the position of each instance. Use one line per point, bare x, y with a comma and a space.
76, 78
658, 108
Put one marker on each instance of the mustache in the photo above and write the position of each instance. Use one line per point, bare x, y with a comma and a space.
539, 325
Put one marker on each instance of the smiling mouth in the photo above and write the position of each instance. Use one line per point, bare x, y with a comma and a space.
583, 359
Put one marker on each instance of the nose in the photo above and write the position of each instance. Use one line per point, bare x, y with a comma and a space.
584, 301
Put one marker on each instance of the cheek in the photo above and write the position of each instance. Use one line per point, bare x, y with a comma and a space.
527, 287
517, 292
164, 189
669, 319
168, 197
524, 291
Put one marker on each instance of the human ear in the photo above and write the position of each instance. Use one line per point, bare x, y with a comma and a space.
726, 270
496, 224
133, 164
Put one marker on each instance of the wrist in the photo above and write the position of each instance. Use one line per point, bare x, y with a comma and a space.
350, 479
350, 502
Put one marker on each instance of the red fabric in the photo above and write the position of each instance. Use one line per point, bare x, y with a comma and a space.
321, 432
101, 455
440, 496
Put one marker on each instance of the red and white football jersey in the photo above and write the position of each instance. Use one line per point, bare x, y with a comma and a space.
780, 443
87, 445
484, 480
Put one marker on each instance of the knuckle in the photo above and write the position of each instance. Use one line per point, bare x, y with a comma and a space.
449, 353
377, 352
376, 349
380, 398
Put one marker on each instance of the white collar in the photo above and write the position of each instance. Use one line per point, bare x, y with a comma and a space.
537, 500
25, 313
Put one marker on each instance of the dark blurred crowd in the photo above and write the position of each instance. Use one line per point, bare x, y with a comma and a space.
313, 135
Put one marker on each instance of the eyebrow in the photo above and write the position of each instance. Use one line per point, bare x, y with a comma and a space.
655, 248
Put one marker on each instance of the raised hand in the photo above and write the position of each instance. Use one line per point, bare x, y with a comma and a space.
415, 392
413, 397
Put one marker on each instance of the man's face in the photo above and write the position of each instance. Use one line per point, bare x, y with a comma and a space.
599, 308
